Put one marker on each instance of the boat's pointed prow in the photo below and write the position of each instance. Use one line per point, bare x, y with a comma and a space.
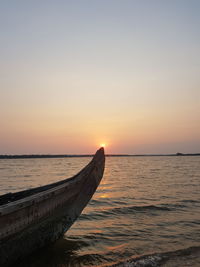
100, 153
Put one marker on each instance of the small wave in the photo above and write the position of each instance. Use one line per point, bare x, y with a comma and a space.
130, 209
190, 201
176, 206
71, 243
122, 211
98, 202
174, 258
106, 201
87, 259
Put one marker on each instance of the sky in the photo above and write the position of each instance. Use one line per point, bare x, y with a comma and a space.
76, 74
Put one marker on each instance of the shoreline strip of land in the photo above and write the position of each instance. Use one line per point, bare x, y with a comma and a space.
36, 156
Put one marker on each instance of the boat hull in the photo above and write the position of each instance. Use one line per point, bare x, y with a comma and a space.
32, 222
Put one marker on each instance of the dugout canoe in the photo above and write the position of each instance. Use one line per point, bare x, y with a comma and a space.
32, 218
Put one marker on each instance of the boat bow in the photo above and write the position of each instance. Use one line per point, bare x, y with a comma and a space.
35, 217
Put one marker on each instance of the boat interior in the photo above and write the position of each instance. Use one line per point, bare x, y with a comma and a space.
11, 197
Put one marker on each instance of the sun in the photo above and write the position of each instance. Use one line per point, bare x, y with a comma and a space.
103, 145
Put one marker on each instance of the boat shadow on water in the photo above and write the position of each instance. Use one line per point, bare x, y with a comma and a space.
61, 253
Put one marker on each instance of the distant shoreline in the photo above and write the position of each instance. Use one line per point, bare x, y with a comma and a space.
37, 156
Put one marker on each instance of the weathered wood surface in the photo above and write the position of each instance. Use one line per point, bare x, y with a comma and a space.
28, 223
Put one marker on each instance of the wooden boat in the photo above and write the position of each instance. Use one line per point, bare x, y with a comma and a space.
32, 218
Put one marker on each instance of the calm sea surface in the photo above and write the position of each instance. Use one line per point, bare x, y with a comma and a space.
142, 206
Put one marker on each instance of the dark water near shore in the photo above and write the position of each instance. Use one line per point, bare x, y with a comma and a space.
144, 205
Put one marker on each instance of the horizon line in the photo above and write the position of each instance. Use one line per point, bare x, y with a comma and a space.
26, 156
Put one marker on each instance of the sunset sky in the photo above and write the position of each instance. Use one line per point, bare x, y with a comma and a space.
76, 74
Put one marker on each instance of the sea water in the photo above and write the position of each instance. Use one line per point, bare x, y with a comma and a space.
144, 205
